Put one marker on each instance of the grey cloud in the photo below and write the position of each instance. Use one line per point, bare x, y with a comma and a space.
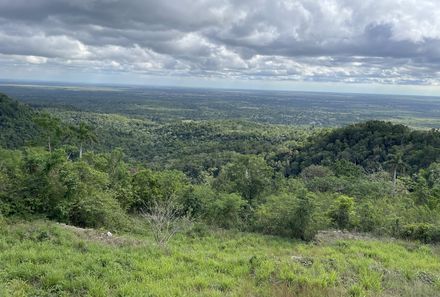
334, 40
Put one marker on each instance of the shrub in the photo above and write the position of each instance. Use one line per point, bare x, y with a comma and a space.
197, 200
368, 217
326, 184
225, 211
150, 187
98, 210
315, 171
249, 176
346, 168
287, 214
166, 220
2, 221
342, 212
427, 233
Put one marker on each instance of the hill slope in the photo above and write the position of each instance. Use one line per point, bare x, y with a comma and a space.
47, 259
16, 124
371, 145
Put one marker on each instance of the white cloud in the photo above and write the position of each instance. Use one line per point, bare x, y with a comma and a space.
35, 59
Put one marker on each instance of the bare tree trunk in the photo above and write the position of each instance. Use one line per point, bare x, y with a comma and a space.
49, 146
394, 180
80, 150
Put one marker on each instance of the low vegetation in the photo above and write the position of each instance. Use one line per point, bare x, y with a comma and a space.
46, 259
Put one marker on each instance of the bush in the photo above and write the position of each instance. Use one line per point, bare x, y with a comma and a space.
342, 212
427, 233
166, 220
2, 221
346, 168
98, 210
287, 214
151, 187
368, 217
249, 176
225, 211
326, 184
198, 200
315, 171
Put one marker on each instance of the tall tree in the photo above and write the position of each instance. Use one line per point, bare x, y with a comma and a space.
249, 176
396, 163
51, 128
85, 135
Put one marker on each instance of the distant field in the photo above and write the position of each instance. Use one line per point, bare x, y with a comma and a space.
275, 107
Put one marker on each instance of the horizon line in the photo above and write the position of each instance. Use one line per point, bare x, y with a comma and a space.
61, 84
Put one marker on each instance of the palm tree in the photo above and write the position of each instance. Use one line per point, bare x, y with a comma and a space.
50, 128
396, 163
85, 134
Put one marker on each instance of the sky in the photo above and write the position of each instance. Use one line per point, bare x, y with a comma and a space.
387, 46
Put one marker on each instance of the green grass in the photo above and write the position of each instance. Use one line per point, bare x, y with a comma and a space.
46, 259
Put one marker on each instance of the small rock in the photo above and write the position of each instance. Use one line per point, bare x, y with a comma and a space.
109, 234
426, 277
305, 261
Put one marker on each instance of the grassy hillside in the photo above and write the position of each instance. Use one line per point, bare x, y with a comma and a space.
48, 259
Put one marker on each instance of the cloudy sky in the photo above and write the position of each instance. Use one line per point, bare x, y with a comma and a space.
349, 45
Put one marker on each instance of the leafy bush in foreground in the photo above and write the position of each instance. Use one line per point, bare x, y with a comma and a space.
288, 214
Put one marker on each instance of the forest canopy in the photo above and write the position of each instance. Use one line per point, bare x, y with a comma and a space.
373, 176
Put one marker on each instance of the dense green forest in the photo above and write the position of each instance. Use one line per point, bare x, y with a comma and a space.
228, 173
121, 173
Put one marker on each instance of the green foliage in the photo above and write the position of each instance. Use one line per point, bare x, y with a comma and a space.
98, 210
16, 124
368, 217
288, 214
41, 183
249, 176
342, 212
433, 175
92, 205
52, 129
315, 171
150, 186
344, 167
2, 221
85, 135
219, 209
371, 145
424, 232
228, 173
225, 210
